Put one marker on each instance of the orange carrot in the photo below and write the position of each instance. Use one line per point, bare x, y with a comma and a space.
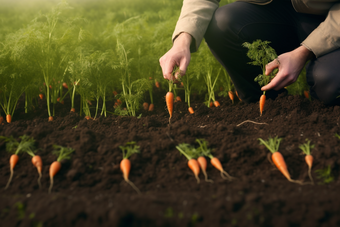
65, 85
63, 153
157, 84
238, 96
216, 103
37, 162
73, 110
9, 118
273, 146
194, 166
306, 148
151, 107
231, 96
12, 163
178, 99
41, 96
306, 93
217, 164
87, 117
58, 99
50, 118
210, 104
191, 110
125, 165
54, 169
169, 98
146, 106
262, 102
203, 164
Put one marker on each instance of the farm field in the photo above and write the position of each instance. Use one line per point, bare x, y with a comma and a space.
78, 74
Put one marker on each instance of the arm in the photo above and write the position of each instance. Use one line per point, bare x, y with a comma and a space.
190, 29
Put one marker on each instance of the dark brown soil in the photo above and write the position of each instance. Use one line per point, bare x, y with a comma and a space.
89, 190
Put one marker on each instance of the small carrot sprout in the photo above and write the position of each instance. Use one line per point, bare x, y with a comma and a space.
306, 148
189, 152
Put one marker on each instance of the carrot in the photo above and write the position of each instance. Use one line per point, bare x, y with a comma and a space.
87, 117
15, 147
203, 164
210, 104
1, 119
62, 153
73, 110
58, 99
146, 106
125, 165
216, 103
187, 151
306, 94
151, 107
306, 147
37, 162
231, 96
191, 110
178, 99
9, 118
273, 146
157, 84
262, 102
65, 85
238, 96
41, 96
169, 98
50, 118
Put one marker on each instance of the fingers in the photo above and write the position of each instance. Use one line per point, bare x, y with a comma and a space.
281, 80
272, 65
168, 64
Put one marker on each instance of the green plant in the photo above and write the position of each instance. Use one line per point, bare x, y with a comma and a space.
325, 175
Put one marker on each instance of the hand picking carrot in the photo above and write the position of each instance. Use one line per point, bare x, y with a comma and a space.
62, 153
187, 151
37, 162
262, 102
15, 147
204, 150
273, 146
125, 165
231, 96
306, 147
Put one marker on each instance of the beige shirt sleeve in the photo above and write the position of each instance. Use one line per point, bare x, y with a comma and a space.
194, 19
326, 37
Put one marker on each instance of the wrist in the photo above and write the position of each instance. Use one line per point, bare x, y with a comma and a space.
305, 53
183, 39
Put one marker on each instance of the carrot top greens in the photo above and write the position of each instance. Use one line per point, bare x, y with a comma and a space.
306, 147
62, 152
272, 143
129, 149
13, 146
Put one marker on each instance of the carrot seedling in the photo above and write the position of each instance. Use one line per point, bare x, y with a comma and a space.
15, 147
272, 145
189, 152
62, 153
306, 147
129, 149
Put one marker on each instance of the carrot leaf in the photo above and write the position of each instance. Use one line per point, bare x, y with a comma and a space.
13, 146
272, 143
62, 152
306, 147
187, 150
129, 149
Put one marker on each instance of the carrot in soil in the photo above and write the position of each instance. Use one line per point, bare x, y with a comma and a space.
262, 102
216, 103
188, 152
169, 98
8, 118
125, 165
62, 153
203, 164
157, 84
178, 99
37, 162
41, 96
146, 106
210, 104
191, 110
50, 118
73, 110
272, 145
238, 96
231, 96
306, 147
65, 85
306, 94
16, 147
1, 119
151, 107
204, 150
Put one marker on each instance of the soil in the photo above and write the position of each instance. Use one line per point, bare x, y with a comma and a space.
89, 190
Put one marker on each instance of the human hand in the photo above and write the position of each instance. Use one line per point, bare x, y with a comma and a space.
178, 55
289, 65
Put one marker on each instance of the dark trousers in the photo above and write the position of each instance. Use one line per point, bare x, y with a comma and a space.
277, 22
